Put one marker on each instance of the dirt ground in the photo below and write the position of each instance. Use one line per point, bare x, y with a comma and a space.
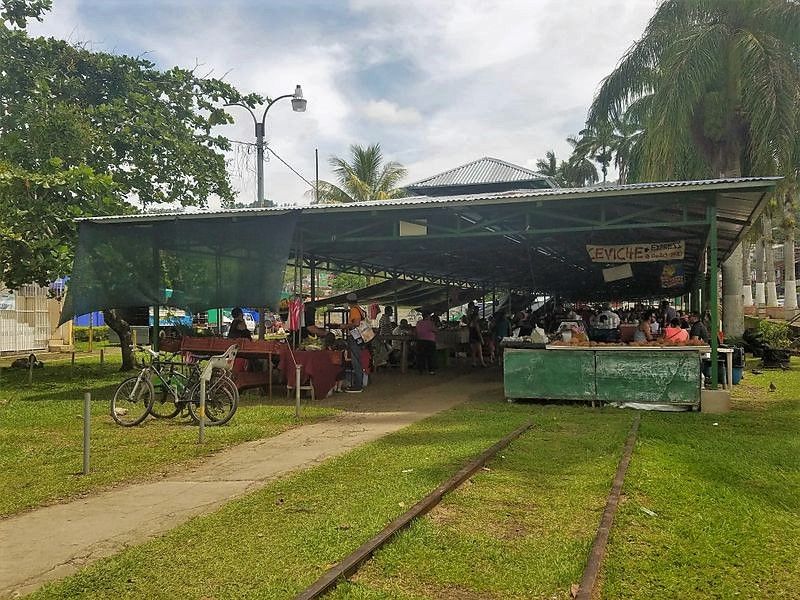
55, 541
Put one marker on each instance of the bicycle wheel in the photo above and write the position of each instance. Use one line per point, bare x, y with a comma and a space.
222, 400
132, 401
166, 404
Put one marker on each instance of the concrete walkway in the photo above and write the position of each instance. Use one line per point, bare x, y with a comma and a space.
55, 541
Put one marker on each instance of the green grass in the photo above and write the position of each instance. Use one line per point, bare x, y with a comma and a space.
521, 529
42, 434
726, 493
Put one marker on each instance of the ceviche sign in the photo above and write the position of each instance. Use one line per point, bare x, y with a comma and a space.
632, 253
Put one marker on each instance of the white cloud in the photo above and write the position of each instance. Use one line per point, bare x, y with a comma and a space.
384, 111
451, 80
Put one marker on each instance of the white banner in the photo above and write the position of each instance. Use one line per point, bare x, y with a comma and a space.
617, 273
7, 300
633, 253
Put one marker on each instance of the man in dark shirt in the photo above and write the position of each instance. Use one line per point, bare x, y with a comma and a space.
698, 329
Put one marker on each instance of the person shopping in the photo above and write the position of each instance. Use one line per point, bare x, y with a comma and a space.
356, 315
426, 345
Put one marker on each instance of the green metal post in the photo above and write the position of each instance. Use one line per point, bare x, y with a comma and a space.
713, 293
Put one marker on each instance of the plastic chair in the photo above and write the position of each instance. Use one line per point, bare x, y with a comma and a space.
308, 387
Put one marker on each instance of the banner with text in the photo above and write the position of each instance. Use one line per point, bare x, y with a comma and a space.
633, 253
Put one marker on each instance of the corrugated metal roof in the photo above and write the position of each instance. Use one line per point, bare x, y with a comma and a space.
482, 171
511, 197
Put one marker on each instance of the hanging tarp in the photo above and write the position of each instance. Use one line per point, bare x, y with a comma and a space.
206, 263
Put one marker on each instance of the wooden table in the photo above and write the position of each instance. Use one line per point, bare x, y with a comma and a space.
404, 341
257, 349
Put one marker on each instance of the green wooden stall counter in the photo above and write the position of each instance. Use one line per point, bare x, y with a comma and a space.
647, 375
549, 374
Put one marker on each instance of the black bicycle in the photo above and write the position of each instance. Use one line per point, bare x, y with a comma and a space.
163, 389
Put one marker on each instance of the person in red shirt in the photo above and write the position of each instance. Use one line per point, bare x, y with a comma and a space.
426, 345
675, 333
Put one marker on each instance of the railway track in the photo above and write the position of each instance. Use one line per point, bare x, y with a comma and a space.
353, 561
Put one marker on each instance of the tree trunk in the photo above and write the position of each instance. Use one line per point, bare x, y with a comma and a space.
123, 330
760, 297
789, 282
732, 281
769, 264
747, 273
732, 308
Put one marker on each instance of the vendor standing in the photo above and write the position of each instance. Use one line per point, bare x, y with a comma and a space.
238, 328
355, 316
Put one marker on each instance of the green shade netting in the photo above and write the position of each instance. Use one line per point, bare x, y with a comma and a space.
206, 263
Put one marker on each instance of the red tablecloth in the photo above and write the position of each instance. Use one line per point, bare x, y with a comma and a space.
322, 366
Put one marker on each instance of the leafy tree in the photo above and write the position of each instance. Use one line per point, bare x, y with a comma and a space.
347, 282
364, 177
85, 133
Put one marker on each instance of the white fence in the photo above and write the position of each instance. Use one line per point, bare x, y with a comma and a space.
24, 319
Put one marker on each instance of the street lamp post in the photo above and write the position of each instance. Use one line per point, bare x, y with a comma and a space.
298, 105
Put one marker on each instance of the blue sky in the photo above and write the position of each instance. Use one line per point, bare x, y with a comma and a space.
436, 83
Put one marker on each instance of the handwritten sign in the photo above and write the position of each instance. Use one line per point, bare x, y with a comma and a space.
637, 253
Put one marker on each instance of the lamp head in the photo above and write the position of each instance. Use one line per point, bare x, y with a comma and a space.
298, 102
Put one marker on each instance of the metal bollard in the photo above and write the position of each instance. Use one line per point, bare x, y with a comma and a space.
30, 371
102, 356
202, 430
87, 428
297, 391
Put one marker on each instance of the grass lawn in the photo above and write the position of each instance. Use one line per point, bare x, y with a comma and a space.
726, 499
279, 539
42, 434
726, 493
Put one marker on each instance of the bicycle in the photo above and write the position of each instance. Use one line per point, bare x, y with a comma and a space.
164, 391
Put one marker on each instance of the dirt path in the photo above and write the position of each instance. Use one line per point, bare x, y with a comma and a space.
55, 541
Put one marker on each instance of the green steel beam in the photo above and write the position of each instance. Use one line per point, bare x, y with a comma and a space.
520, 232
713, 293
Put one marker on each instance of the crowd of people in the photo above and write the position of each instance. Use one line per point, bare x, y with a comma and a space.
387, 335
636, 323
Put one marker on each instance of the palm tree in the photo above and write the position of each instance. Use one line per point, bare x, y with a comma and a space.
556, 169
579, 171
598, 142
549, 165
364, 177
722, 77
747, 272
628, 143
788, 225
